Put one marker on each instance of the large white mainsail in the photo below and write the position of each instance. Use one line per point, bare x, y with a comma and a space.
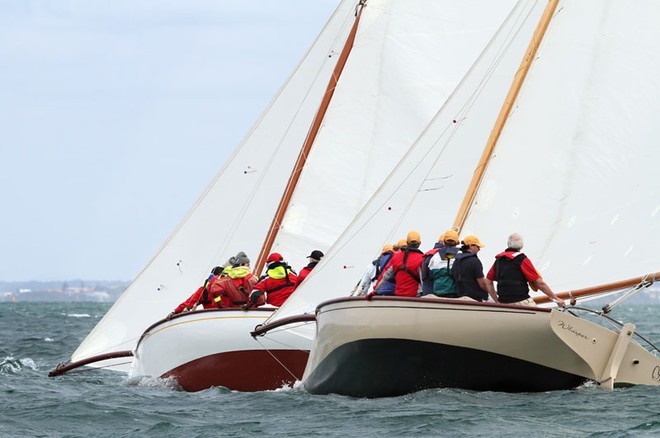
426, 188
407, 57
573, 170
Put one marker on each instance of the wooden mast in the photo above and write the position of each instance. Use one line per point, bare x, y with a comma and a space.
307, 145
492, 141
518, 80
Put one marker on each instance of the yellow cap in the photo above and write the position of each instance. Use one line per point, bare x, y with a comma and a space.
413, 237
450, 236
400, 244
473, 240
386, 248
441, 238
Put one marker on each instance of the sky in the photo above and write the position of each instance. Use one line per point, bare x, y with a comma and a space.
116, 114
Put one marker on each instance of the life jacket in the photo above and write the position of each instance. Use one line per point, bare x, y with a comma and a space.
304, 272
380, 263
441, 271
467, 287
406, 275
387, 288
233, 288
427, 281
511, 282
205, 299
278, 284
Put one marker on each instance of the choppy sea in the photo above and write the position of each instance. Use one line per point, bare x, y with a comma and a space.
34, 337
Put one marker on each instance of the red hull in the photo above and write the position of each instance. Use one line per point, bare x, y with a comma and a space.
252, 370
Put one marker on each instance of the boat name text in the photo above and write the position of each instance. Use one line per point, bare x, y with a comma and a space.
570, 328
655, 374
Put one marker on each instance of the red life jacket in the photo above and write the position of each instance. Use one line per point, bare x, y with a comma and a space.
233, 291
406, 264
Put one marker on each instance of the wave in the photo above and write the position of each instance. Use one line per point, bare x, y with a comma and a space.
11, 365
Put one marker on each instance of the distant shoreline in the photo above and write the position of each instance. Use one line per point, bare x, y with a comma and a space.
108, 291
64, 291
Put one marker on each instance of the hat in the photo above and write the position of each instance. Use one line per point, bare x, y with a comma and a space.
413, 237
451, 236
241, 259
230, 262
386, 248
316, 255
441, 238
473, 240
217, 270
274, 257
401, 243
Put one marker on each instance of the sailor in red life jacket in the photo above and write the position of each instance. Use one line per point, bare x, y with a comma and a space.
513, 271
200, 296
277, 285
233, 288
314, 258
405, 267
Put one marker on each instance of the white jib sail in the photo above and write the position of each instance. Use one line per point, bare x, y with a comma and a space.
235, 211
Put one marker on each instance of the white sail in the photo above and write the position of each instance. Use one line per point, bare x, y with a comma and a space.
406, 60
574, 169
235, 211
426, 188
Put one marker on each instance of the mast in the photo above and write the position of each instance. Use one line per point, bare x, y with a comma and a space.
518, 80
309, 141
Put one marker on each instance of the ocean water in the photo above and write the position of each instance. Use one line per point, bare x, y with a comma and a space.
34, 337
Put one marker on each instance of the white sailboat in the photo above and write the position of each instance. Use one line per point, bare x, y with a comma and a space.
569, 164
405, 59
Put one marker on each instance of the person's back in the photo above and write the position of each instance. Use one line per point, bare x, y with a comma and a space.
278, 285
405, 268
427, 280
387, 288
469, 272
373, 272
314, 258
512, 284
513, 271
441, 270
437, 267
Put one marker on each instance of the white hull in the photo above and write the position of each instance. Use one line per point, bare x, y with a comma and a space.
359, 351
214, 348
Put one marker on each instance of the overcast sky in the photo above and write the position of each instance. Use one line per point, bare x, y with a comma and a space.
116, 114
